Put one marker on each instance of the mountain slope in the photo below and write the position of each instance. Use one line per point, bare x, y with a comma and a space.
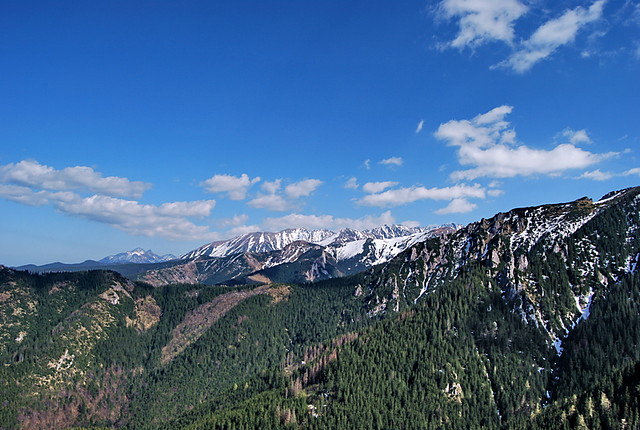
527, 320
290, 258
93, 349
526, 251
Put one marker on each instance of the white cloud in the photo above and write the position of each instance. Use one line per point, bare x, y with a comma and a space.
199, 209
367, 164
420, 125
351, 184
32, 174
504, 162
634, 171
302, 188
576, 137
235, 221
495, 192
482, 131
242, 229
482, 21
376, 187
168, 220
489, 143
410, 223
596, 175
403, 196
393, 161
457, 206
29, 197
552, 35
327, 222
272, 202
272, 187
236, 187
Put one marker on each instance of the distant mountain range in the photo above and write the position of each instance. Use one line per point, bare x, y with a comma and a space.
267, 242
292, 255
127, 263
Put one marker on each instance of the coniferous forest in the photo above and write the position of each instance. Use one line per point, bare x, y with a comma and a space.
509, 337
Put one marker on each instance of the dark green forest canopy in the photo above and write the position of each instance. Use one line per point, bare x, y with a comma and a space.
498, 335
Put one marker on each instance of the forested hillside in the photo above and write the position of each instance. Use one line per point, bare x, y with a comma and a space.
530, 319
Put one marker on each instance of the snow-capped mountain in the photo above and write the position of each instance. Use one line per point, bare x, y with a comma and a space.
298, 255
266, 241
137, 255
258, 242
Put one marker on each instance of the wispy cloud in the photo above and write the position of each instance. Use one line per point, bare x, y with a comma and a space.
236, 187
351, 184
31, 183
302, 188
488, 143
272, 187
240, 230
32, 174
376, 187
276, 200
401, 196
636, 51
393, 161
271, 202
457, 206
634, 171
482, 21
234, 221
576, 137
552, 35
596, 175
419, 126
169, 220
327, 222
29, 197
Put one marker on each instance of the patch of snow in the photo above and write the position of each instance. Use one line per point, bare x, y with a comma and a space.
424, 289
608, 199
557, 344
350, 249
586, 311
633, 263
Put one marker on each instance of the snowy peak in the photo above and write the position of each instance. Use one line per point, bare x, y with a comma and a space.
257, 242
137, 255
260, 242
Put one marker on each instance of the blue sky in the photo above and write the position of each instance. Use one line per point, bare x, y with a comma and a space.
167, 125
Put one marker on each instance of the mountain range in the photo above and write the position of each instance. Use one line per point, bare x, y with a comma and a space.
292, 255
138, 256
529, 319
